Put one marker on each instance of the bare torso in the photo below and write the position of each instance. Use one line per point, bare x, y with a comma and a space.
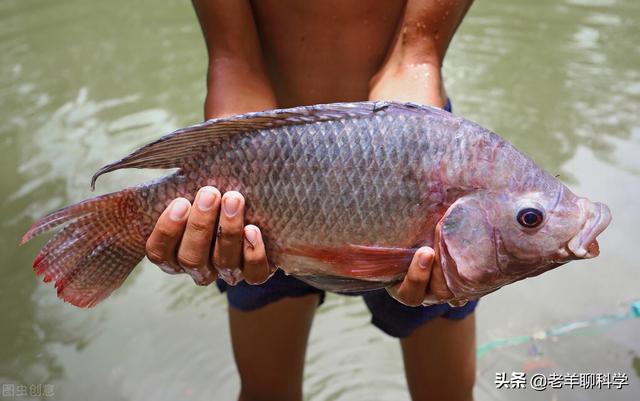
324, 51
282, 53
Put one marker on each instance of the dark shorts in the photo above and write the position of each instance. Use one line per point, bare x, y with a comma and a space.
387, 314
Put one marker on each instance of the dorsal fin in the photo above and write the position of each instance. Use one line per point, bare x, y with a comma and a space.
173, 149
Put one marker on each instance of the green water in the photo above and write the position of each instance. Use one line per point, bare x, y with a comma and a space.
84, 82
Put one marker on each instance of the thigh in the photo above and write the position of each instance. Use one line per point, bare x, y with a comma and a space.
269, 347
440, 359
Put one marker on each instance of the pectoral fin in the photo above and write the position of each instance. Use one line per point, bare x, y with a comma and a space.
371, 263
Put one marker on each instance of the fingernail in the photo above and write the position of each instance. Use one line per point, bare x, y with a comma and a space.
458, 304
237, 275
196, 275
231, 277
179, 209
231, 205
206, 199
251, 234
226, 275
424, 261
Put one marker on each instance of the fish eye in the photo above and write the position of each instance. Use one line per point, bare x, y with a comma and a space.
530, 217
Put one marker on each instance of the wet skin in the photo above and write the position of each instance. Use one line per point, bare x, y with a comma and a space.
273, 54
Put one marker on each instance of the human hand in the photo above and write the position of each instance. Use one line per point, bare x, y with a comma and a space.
183, 239
424, 279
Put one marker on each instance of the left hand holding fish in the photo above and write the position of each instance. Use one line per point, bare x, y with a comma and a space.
209, 237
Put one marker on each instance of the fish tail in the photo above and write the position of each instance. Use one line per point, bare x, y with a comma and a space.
102, 240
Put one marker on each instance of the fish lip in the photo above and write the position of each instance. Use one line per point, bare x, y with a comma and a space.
596, 219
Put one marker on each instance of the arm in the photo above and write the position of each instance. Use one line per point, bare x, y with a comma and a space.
183, 237
412, 72
412, 69
236, 78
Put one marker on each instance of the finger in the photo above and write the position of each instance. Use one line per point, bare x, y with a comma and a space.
165, 237
195, 247
227, 253
411, 291
438, 285
256, 267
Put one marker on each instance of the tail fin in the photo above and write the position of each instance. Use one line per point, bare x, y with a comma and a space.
102, 242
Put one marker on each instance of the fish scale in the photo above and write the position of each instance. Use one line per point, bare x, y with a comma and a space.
354, 161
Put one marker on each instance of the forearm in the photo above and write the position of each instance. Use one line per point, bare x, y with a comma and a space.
236, 78
419, 83
235, 87
412, 69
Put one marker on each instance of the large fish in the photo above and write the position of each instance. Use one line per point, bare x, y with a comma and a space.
344, 194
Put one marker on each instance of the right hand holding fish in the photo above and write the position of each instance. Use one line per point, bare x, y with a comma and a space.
185, 235
423, 278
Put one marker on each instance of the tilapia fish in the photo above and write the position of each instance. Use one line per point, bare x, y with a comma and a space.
344, 194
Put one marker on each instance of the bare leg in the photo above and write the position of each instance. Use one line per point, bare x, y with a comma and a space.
440, 360
269, 346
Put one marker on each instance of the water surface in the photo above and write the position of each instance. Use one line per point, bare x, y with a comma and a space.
84, 82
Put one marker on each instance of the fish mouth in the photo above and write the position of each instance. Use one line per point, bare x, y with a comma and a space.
596, 219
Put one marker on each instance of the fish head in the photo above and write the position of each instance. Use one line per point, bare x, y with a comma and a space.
488, 239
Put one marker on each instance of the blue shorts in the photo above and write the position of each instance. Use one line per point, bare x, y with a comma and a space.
387, 314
